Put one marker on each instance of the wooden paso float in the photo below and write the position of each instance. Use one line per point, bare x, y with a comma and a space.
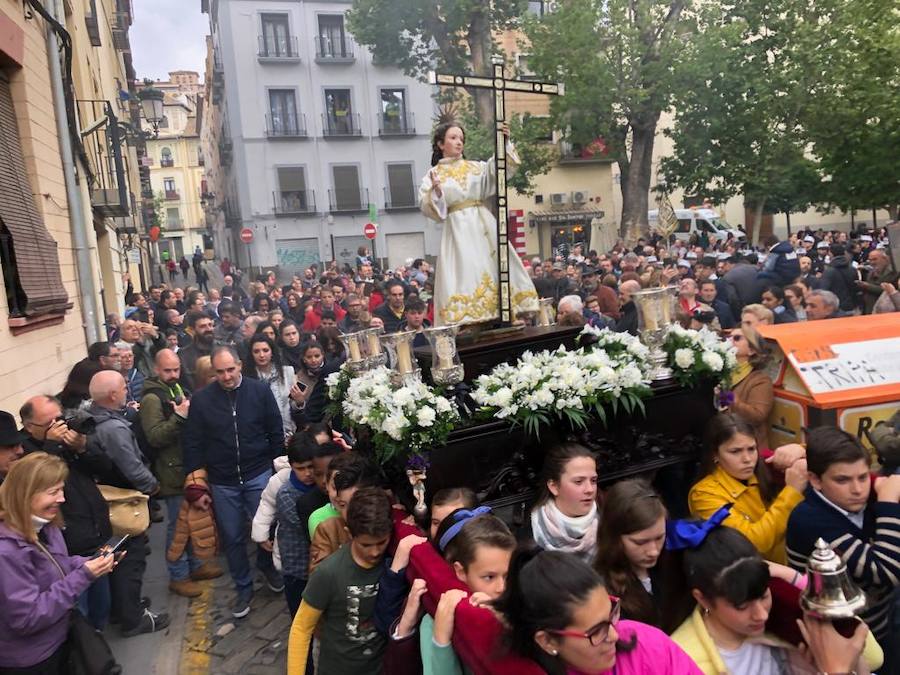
501, 462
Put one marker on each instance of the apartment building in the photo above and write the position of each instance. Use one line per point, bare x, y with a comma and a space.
316, 139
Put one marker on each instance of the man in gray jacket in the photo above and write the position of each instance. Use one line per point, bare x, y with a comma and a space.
114, 437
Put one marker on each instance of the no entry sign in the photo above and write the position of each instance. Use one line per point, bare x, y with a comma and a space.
246, 235
370, 230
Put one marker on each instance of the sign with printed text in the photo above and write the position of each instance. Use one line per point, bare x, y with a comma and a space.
858, 421
851, 365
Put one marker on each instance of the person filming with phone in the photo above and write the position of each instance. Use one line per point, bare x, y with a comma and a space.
39, 581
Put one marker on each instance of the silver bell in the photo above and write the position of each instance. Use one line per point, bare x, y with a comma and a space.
830, 593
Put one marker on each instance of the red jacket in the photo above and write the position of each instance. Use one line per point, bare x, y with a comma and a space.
314, 318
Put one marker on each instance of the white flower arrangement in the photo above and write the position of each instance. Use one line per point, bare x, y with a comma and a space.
405, 418
694, 355
570, 385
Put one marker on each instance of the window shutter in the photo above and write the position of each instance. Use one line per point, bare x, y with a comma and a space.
400, 182
37, 259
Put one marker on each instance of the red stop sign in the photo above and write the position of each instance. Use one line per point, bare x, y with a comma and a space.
246, 235
370, 230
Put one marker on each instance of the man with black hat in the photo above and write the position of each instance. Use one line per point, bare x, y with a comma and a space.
11, 440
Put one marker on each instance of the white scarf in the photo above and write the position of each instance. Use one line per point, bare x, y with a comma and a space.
555, 531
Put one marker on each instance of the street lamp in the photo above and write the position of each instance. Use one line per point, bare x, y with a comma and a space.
152, 105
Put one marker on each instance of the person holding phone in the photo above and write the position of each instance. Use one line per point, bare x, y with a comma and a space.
309, 392
39, 581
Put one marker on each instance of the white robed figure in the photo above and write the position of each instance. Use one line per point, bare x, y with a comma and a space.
456, 192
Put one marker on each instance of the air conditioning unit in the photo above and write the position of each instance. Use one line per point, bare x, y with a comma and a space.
559, 198
581, 197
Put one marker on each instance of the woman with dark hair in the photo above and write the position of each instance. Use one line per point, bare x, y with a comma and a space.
75, 393
262, 305
559, 614
735, 473
455, 192
265, 364
329, 338
266, 328
311, 377
754, 391
632, 558
793, 298
726, 633
294, 303
773, 299
564, 518
289, 344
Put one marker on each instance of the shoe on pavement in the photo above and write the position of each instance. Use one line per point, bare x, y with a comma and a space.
150, 623
186, 588
206, 571
274, 580
241, 605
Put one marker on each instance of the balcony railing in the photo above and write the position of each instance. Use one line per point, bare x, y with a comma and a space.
348, 201
278, 49
293, 202
167, 162
107, 168
399, 124
281, 128
174, 224
341, 126
172, 196
334, 50
402, 199
226, 151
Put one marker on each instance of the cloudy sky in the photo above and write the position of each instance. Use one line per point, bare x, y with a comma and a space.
168, 35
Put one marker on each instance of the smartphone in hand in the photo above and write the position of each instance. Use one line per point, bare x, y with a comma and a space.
111, 546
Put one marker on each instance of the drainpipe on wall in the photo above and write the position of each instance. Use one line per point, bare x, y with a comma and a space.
85, 270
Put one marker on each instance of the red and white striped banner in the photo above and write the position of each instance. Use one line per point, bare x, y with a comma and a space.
517, 232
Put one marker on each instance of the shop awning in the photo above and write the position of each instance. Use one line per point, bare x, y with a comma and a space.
563, 215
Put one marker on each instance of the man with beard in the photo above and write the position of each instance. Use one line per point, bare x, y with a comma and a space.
200, 345
591, 286
229, 331
351, 322
164, 410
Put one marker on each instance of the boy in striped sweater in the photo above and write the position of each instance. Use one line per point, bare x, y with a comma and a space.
860, 523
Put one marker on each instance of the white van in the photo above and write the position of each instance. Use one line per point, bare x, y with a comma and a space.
692, 221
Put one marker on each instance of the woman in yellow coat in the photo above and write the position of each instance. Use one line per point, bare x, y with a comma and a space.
733, 473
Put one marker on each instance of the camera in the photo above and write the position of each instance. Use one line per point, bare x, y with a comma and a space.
80, 421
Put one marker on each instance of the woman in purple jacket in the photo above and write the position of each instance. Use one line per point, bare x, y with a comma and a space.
39, 581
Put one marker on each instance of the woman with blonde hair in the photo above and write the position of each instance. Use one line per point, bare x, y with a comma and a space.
39, 581
204, 374
753, 389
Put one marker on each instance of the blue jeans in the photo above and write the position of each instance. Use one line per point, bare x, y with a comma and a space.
95, 603
235, 506
181, 569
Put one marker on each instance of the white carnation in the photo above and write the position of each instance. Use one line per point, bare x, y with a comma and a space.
713, 360
425, 416
684, 358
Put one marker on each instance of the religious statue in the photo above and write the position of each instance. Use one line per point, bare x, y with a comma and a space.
456, 192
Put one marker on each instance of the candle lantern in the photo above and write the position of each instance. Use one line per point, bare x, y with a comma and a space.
446, 368
546, 315
656, 307
375, 354
400, 348
355, 347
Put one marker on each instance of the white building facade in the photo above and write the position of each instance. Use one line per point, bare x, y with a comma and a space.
316, 138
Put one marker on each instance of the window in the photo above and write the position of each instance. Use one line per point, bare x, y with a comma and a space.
173, 219
276, 36
165, 157
333, 42
338, 113
169, 188
347, 195
394, 119
402, 192
28, 253
524, 69
684, 225
292, 196
537, 7
283, 112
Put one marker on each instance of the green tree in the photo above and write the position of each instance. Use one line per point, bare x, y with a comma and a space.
618, 60
420, 35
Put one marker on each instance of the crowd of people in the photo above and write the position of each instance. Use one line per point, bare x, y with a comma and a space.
211, 404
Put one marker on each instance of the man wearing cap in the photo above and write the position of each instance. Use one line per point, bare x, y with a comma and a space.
880, 273
11, 440
556, 286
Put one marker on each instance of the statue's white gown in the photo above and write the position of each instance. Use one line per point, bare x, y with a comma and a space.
465, 288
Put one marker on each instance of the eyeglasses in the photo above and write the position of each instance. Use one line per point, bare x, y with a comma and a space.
737, 338
599, 633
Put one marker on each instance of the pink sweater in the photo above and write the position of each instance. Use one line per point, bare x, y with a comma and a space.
654, 654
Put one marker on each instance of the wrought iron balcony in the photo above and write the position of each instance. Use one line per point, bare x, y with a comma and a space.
278, 49
401, 199
396, 124
172, 196
174, 224
167, 162
294, 202
338, 125
335, 50
348, 201
286, 128
107, 168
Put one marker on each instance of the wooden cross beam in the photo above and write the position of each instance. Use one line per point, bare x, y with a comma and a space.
500, 84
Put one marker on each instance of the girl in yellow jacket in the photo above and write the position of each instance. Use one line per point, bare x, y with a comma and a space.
726, 634
735, 474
